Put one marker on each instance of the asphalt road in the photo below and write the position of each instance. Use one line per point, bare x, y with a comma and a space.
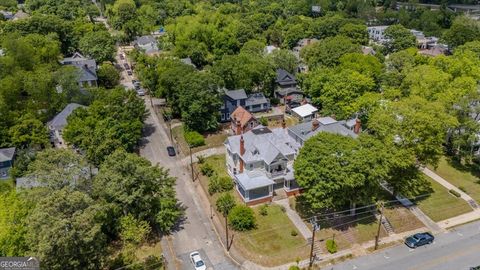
196, 232
457, 249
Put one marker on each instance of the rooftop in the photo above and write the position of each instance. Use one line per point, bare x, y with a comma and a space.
236, 94
6, 154
242, 115
256, 99
60, 120
305, 110
253, 179
326, 124
284, 77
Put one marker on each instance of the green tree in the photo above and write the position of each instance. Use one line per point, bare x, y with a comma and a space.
337, 171
13, 228
242, 218
135, 187
66, 221
60, 168
108, 75
327, 52
29, 132
284, 59
400, 38
462, 31
98, 45
357, 32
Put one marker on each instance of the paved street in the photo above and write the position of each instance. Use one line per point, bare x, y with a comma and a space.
196, 232
457, 249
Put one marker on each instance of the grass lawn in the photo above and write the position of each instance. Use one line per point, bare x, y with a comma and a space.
211, 140
149, 249
402, 219
459, 176
441, 205
272, 242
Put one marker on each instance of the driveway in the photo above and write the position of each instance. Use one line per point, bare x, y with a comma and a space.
457, 249
196, 232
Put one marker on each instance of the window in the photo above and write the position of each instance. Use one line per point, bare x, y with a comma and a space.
234, 170
223, 116
228, 116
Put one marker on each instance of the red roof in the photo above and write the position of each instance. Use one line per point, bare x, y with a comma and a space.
242, 115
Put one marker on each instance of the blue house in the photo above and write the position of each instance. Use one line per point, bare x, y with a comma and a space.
7, 156
256, 102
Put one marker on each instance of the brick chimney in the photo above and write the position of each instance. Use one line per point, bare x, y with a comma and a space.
284, 124
239, 128
358, 126
242, 151
315, 124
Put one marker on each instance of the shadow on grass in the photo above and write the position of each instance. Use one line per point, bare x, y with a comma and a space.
473, 168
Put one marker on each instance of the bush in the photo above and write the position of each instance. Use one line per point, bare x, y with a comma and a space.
293, 233
207, 169
331, 246
294, 267
241, 218
264, 210
274, 101
283, 208
194, 139
263, 121
454, 193
201, 159
462, 188
219, 184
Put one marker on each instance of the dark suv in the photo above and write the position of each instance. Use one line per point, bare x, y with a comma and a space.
419, 239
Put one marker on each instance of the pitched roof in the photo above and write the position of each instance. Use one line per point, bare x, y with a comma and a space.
242, 115
256, 99
60, 120
305, 110
326, 124
236, 94
288, 91
263, 144
86, 66
6, 154
284, 77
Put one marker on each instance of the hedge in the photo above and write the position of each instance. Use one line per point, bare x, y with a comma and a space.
194, 139
331, 246
454, 193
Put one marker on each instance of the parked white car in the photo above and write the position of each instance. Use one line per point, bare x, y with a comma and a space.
197, 261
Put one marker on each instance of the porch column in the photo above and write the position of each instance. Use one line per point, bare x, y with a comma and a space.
270, 190
247, 195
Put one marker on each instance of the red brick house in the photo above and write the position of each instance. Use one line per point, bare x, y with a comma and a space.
242, 121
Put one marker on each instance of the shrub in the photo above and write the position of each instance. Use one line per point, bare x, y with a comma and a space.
283, 208
294, 267
331, 246
264, 210
241, 218
206, 169
462, 188
293, 233
263, 121
454, 193
219, 184
194, 139
274, 101
201, 159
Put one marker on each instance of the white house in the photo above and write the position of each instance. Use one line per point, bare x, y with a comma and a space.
305, 112
376, 33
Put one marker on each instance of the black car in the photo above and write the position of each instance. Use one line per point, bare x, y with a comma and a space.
129, 72
171, 151
127, 67
419, 239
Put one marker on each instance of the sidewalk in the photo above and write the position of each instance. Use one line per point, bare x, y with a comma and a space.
295, 218
449, 186
204, 153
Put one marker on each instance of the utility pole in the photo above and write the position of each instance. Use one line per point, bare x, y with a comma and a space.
191, 162
226, 232
315, 227
377, 238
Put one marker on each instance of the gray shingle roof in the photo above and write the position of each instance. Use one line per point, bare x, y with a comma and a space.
256, 99
285, 77
6, 154
288, 91
263, 144
327, 124
236, 94
60, 120
87, 67
144, 40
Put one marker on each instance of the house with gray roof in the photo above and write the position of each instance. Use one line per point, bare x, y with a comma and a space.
7, 156
256, 102
7, 15
287, 90
148, 44
87, 69
58, 123
304, 131
260, 162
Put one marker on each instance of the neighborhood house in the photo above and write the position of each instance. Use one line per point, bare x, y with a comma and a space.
87, 69
305, 112
7, 156
255, 102
242, 121
287, 91
58, 123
